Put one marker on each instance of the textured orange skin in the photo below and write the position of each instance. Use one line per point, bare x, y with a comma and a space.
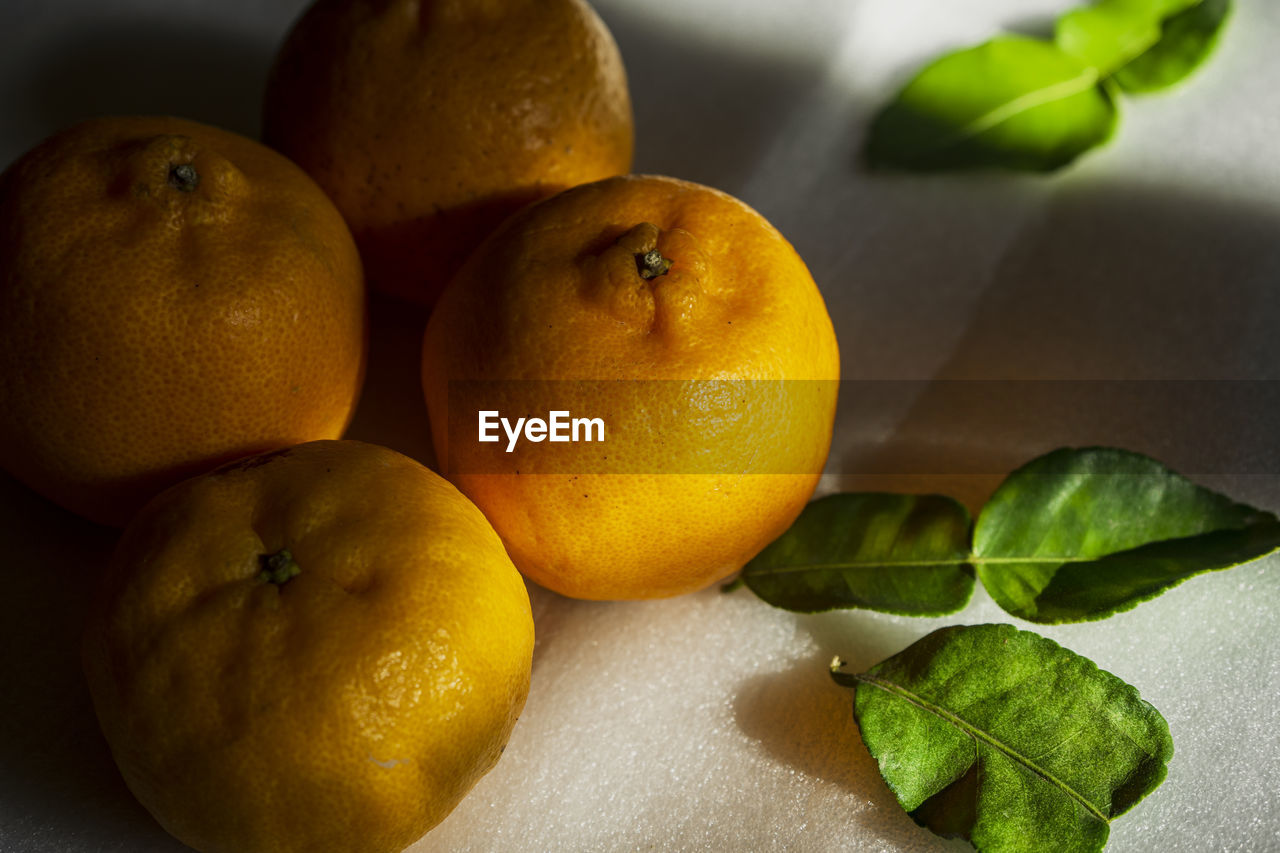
671, 505
146, 333
428, 122
349, 708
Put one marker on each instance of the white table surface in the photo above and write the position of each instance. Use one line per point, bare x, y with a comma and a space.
708, 722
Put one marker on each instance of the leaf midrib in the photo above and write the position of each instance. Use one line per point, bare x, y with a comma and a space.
971, 560
977, 561
974, 731
1059, 91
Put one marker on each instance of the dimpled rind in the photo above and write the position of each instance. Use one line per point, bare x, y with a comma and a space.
348, 708
428, 122
557, 294
150, 330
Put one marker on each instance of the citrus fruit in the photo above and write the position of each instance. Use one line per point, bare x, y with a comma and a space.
172, 296
690, 328
429, 121
317, 649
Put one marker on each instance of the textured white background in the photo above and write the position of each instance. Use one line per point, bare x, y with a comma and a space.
708, 722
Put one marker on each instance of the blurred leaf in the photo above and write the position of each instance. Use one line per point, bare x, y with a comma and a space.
1013, 102
1108, 34
1004, 737
1186, 41
894, 553
1082, 534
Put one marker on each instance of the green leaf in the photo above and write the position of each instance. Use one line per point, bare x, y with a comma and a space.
1082, 534
1013, 102
903, 554
1108, 34
1004, 737
1187, 40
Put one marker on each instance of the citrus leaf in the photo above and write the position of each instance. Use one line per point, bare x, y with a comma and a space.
1187, 40
1081, 534
1110, 33
1013, 102
1004, 737
903, 554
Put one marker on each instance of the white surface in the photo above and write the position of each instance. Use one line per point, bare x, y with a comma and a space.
708, 722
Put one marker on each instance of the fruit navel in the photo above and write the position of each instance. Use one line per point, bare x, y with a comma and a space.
652, 264
625, 277
184, 177
279, 567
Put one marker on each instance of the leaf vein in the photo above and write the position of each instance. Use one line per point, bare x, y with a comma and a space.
1057, 92
977, 733
958, 561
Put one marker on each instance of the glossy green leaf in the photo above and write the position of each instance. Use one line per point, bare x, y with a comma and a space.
895, 553
1013, 102
1004, 737
1110, 33
1186, 41
1082, 534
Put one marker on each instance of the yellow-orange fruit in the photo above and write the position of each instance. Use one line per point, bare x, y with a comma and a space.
172, 296
691, 328
316, 650
430, 121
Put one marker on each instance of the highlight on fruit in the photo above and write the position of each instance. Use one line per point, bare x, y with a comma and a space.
693, 331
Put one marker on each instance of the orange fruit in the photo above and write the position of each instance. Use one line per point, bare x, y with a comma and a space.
691, 329
172, 296
317, 649
428, 122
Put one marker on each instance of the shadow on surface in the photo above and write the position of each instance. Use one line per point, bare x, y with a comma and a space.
392, 411
1032, 26
1131, 283
703, 112
114, 66
804, 720
1133, 317
60, 785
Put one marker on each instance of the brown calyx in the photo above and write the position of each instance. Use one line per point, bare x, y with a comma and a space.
184, 177
652, 264
278, 568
